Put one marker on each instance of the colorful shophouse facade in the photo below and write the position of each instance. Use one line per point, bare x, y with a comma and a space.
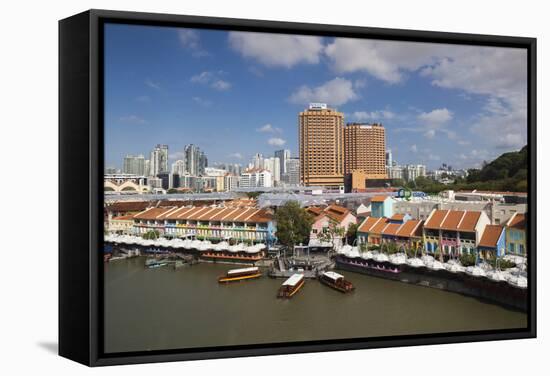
454, 232
242, 224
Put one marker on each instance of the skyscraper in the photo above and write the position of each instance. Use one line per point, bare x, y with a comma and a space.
178, 167
159, 160
257, 161
283, 155
321, 146
195, 160
365, 149
292, 174
134, 164
272, 165
389, 158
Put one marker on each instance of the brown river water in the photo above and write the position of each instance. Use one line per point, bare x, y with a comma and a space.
163, 308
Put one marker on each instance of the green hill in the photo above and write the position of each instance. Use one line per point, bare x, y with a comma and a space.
508, 172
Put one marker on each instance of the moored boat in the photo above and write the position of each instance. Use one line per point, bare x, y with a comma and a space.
291, 286
240, 274
155, 263
336, 281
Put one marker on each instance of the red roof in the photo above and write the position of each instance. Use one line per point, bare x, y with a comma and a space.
379, 198
517, 221
410, 228
206, 213
453, 220
391, 229
469, 221
490, 236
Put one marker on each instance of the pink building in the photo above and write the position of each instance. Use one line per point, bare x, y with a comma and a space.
340, 216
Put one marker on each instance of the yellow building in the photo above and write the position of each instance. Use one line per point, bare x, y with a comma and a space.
365, 149
321, 146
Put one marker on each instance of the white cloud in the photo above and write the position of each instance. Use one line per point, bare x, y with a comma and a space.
385, 60
221, 85
276, 141
430, 134
152, 84
190, 39
501, 126
274, 50
132, 119
202, 78
498, 73
177, 155
212, 80
414, 148
335, 92
268, 128
236, 155
373, 115
435, 118
201, 101
143, 99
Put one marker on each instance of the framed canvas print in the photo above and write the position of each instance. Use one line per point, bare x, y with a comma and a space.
236, 187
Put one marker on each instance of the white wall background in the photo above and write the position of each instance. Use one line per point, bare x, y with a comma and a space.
28, 126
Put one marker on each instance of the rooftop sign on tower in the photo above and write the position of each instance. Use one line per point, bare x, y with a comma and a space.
317, 106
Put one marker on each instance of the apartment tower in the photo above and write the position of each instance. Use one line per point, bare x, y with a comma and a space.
365, 149
321, 146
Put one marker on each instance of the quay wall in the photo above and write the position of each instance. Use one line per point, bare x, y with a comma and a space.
479, 287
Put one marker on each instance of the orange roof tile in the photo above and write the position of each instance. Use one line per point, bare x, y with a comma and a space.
336, 213
436, 218
517, 221
397, 217
391, 229
469, 221
129, 206
379, 198
220, 214
123, 218
452, 220
379, 226
314, 210
410, 228
367, 224
152, 213
490, 236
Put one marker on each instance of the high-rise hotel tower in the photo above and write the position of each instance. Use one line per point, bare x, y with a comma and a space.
321, 146
365, 149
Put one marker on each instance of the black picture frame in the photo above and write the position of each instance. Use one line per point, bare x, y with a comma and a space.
81, 165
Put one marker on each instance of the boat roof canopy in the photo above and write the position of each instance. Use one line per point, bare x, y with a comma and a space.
293, 280
243, 270
333, 275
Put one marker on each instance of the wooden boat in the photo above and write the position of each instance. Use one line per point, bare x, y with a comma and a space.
291, 286
240, 274
336, 281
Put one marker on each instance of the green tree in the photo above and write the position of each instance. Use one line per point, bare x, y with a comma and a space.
293, 224
331, 233
351, 233
253, 195
151, 234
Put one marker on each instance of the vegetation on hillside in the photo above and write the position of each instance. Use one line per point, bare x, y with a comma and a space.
508, 172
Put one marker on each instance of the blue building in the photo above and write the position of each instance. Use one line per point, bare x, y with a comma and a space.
381, 206
493, 242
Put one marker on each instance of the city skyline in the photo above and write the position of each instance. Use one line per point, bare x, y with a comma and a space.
233, 96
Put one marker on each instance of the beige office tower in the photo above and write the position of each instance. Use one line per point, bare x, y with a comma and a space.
365, 150
321, 146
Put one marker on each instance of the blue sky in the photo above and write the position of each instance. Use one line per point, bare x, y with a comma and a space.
237, 94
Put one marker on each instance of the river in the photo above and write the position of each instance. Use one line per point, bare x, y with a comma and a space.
163, 308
